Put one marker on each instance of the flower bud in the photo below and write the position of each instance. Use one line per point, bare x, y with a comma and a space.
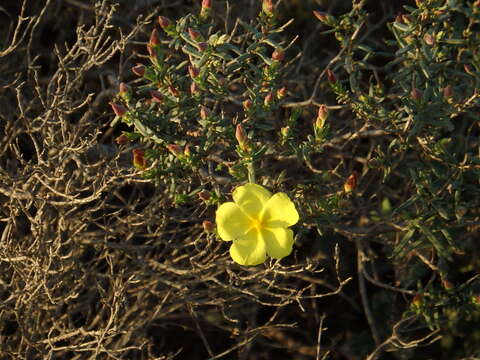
193, 71
194, 34
351, 182
157, 96
139, 160
322, 116
416, 94
429, 39
123, 89
241, 137
247, 104
281, 92
154, 38
118, 109
267, 7
332, 78
202, 46
174, 91
417, 300
278, 55
204, 195
325, 18
268, 99
186, 151
122, 139
204, 112
205, 9
194, 89
447, 285
208, 226
139, 70
448, 92
285, 131
175, 149
164, 22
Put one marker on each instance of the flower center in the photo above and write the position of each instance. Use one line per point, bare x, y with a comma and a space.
257, 224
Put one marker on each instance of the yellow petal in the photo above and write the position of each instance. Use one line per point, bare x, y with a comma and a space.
279, 242
231, 221
251, 198
249, 249
279, 212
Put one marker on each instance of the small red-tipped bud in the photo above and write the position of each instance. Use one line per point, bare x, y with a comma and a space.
241, 137
173, 91
416, 94
175, 149
194, 34
285, 131
351, 182
122, 139
204, 112
202, 46
268, 99
123, 89
281, 92
267, 7
157, 96
118, 109
322, 116
164, 22
325, 18
204, 195
247, 104
186, 151
447, 285
139, 70
139, 160
429, 39
193, 71
152, 53
208, 227
417, 300
332, 78
468, 69
154, 38
448, 92
278, 54
194, 89
205, 9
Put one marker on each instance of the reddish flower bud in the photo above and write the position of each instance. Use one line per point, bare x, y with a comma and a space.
281, 92
417, 300
208, 227
241, 137
157, 96
204, 112
448, 92
118, 109
204, 195
205, 9
193, 71
399, 19
164, 22
122, 139
247, 104
207, 4
202, 46
268, 99
322, 116
416, 94
278, 55
186, 151
152, 53
351, 182
194, 89
139, 160
429, 39
285, 131
267, 7
139, 70
175, 149
447, 285
332, 78
123, 89
173, 91
325, 18
154, 38
194, 34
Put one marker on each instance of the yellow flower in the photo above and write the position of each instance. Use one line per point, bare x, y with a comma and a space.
257, 222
